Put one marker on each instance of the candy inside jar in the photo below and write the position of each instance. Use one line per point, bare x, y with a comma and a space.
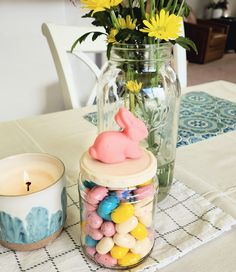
117, 210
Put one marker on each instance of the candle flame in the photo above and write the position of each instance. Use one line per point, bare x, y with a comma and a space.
26, 176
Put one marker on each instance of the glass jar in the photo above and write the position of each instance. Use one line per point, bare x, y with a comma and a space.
117, 208
140, 77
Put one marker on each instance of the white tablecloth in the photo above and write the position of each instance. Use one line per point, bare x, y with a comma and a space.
208, 167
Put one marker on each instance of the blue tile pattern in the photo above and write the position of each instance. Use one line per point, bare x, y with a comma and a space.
202, 116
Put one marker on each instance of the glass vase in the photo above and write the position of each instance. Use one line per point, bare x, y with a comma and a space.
140, 77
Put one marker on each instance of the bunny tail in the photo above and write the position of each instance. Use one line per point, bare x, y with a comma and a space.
92, 152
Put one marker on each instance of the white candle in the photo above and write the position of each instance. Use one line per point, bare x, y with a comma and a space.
32, 200
42, 170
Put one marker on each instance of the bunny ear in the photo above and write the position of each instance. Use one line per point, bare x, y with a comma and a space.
119, 120
127, 117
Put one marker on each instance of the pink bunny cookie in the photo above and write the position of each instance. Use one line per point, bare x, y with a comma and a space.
116, 146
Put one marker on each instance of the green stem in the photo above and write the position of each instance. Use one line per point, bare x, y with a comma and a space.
114, 19
168, 6
152, 8
181, 7
141, 3
131, 9
131, 102
161, 5
174, 6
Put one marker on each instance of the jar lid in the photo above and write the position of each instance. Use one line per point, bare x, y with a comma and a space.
128, 173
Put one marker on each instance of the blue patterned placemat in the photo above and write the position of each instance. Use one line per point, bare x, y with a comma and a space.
201, 116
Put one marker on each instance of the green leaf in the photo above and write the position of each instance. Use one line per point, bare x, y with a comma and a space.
109, 46
123, 34
79, 40
96, 34
84, 37
186, 43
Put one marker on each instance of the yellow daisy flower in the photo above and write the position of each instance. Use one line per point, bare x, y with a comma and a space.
127, 23
111, 36
100, 5
133, 86
164, 26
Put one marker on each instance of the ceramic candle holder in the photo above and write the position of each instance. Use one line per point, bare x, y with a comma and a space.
32, 200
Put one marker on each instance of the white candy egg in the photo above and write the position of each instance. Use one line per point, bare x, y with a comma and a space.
142, 247
104, 245
127, 226
146, 219
143, 206
124, 240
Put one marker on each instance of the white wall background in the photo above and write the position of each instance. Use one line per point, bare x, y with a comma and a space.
28, 80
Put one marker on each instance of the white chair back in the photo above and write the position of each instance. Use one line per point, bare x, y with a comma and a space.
180, 62
77, 72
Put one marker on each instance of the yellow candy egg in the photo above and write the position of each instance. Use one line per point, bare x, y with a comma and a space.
118, 252
146, 183
122, 213
129, 259
140, 232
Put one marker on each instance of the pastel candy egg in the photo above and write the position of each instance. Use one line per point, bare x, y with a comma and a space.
94, 233
145, 191
104, 245
124, 195
146, 183
124, 240
107, 206
118, 252
105, 260
127, 226
96, 194
90, 207
122, 213
146, 219
140, 232
129, 259
94, 220
89, 184
89, 241
90, 250
106, 217
108, 229
143, 206
151, 234
142, 247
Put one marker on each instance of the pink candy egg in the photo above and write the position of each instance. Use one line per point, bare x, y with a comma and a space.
151, 234
105, 260
90, 207
94, 233
145, 191
94, 220
108, 229
96, 194
90, 250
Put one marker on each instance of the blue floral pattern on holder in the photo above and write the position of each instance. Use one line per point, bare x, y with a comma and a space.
202, 116
38, 227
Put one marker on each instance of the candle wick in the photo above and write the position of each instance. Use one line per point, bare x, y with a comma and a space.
28, 183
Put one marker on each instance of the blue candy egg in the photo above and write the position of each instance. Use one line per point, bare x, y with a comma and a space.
106, 207
89, 241
89, 184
